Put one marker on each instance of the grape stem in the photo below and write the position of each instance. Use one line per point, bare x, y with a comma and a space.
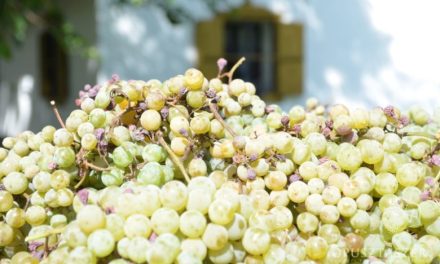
217, 116
46, 234
230, 73
93, 166
57, 114
83, 178
173, 156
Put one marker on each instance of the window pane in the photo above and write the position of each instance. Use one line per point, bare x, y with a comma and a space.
253, 40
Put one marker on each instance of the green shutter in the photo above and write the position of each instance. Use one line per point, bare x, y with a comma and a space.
289, 59
210, 43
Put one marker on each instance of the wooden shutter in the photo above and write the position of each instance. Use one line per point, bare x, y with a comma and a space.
210, 45
289, 59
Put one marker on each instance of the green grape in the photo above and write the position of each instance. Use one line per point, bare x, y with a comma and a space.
398, 258
360, 220
197, 167
316, 248
221, 211
392, 143
192, 224
121, 157
434, 228
411, 196
364, 202
331, 195
194, 247
187, 258
64, 157
317, 142
74, 236
6, 234
137, 225
329, 214
47, 133
199, 200
113, 177
301, 152
196, 99
165, 220
359, 118
58, 220
395, 219
275, 180
96, 118
314, 203
371, 150
155, 100
386, 183
432, 242
347, 206
154, 153
410, 174
256, 241
59, 179
335, 254
174, 195
21, 148
90, 218
429, 211
35, 215
373, 245
119, 135
81, 255
307, 222
421, 254
179, 125
89, 141
6, 201
308, 170
62, 138
349, 157
298, 191
342, 124
15, 183
193, 79
164, 243
151, 120
23, 257
330, 233
402, 241
101, 243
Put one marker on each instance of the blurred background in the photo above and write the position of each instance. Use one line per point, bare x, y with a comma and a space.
356, 52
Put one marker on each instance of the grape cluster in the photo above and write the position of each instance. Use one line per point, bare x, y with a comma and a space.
192, 170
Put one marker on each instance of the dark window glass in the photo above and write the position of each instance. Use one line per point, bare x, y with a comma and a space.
255, 41
53, 68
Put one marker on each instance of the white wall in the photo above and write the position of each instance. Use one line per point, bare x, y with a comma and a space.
20, 111
358, 52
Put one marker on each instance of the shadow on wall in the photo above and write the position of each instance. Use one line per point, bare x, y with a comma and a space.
341, 48
16, 106
138, 43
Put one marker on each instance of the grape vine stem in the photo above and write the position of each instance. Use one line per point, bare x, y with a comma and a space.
217, 116
46, 234
173, 156
57, 114
230, 73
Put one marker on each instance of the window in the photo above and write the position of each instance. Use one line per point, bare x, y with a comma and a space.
273, 50
54, 79
255, 41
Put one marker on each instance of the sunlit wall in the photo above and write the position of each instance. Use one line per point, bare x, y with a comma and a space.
368, 52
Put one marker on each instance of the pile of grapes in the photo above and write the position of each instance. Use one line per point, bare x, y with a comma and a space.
194, 171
